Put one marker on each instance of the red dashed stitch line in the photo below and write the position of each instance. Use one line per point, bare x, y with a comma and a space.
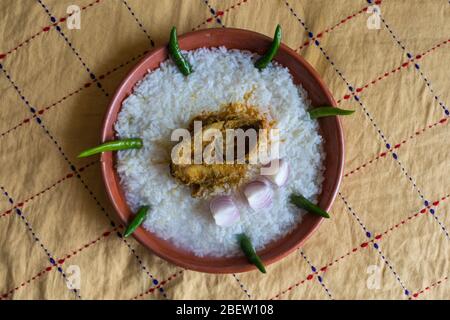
324, 268
59, 263
363, 245
44, 30
295, 285
397, 146
384, 76
86, 85
404, 65
22, 203
435, 284
151, 290
219, 14
328, 30
87, 245
415, 215
419, 56
23, 284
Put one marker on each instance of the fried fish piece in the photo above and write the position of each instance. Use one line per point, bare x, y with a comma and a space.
204, 178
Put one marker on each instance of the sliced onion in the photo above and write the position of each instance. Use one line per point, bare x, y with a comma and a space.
280, 174
224, 211
258, 194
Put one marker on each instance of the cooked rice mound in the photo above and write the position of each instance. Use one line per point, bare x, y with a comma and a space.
166, 100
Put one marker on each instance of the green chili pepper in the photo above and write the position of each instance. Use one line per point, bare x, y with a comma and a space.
303, 203
250, 253
175, 53
268, 56
137, 220
328, 111
135, 143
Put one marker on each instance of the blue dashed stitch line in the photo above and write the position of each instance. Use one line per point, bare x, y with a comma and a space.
213, 12
61, 151
417, 66
375, 244
297, 17
405, 290
319, 278
359, 102
368, 233
241, 285
357, 98
446, 111
433, 213
429, 86
38, 241
61, 33
33, 111
317, 43
72, 167
138, 22
366, 113
139, 260
393, 35
407, 175
39, 121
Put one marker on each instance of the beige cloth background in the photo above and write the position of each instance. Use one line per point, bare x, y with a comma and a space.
388, 237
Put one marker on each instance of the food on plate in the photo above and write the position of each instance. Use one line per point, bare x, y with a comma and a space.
280, 172
177, 56
225, 173
250, 253
137, 220
262, 62
123, 144
165, 100
224, 211
328, 111
303, 203
259, 194
228, 153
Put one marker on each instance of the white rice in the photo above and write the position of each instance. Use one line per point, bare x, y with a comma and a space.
165, 100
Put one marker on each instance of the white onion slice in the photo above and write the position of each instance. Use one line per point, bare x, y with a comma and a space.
224, 211
280, 173
258, 194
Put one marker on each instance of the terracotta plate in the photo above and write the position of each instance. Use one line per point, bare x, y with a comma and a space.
331, 129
